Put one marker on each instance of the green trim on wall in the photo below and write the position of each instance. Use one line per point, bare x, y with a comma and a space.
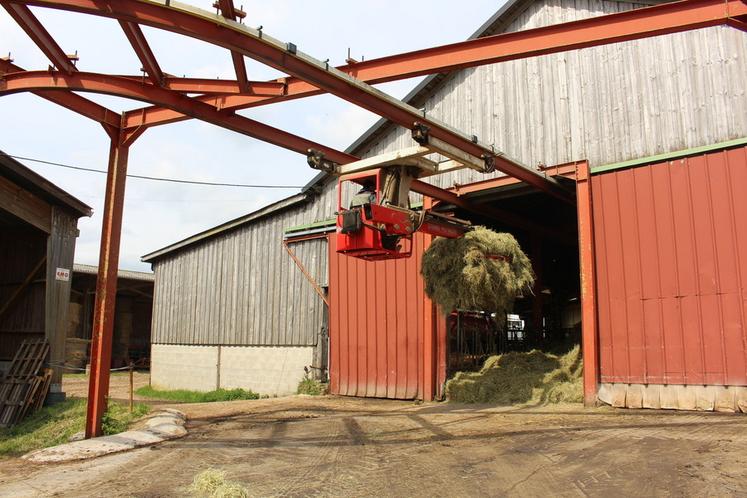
669, 156
311, 226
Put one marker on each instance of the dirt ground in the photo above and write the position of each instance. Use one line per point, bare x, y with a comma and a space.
76, 386
328, 446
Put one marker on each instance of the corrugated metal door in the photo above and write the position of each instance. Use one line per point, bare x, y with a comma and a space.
376, 325
671, 259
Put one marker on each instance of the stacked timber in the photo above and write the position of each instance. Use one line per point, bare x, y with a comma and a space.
25, 386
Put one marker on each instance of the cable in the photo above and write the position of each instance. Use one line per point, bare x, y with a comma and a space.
76, 369
155, 178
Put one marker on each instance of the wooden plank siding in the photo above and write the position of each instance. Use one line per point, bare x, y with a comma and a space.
241, 288
604, 104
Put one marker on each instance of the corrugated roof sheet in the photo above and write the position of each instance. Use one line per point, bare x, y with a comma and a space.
125, 274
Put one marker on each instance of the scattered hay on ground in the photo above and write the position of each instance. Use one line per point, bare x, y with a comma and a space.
484, 270
212, 483
535, 377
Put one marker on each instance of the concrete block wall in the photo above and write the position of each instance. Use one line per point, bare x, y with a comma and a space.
271, 370
675, 397
184, 367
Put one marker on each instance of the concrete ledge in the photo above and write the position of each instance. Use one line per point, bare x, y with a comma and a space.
160, 426
675, 397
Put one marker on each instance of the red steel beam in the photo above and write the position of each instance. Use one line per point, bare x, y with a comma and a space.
204, 26
34, 29
70, 100
214, 87
738, 23
630, 25
140, 45
661, 19
106, 287
498, 214
239, 65
32, 81
36, 81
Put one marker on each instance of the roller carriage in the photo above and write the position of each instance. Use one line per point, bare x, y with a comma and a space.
375, 217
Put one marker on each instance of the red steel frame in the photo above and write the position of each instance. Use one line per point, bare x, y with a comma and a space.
306, 77
589, 338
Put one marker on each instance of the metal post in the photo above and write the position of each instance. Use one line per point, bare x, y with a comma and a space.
132, 385
430, 315
589, 338
106, 285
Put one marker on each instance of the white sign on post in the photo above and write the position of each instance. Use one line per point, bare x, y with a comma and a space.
62, 274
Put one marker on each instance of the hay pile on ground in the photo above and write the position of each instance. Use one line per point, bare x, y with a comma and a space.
484, 270
212, 483
535, 377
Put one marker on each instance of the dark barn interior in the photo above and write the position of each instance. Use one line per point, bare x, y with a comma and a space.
547, 318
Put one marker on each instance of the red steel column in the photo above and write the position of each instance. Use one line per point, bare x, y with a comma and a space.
589, 334
429, 329
106, 286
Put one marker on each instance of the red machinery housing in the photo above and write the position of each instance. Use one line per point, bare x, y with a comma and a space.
378, 225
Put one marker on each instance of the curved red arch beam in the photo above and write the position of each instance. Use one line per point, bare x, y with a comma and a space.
627, 25
214, 29
50, 82
43, 81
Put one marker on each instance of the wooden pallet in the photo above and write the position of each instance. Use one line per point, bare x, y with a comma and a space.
41, 393
24, 388
28, 359
13, 396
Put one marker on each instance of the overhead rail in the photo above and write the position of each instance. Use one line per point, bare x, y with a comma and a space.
285, 57
634, 24
624, 26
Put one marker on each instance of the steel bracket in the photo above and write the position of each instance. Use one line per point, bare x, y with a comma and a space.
317, 160
420, 133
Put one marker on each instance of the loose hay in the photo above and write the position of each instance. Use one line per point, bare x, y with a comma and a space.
212, 483
512, 378
484, 270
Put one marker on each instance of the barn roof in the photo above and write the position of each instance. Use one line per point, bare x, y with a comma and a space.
40, 186
141, 276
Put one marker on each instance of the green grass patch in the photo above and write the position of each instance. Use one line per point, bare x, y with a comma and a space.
118, 418
53, 425
311, 387
186, 396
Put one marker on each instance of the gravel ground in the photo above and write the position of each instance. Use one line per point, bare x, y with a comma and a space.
76, 386
332, 446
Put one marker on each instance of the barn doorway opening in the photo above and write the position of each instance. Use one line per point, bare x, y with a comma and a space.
549, 317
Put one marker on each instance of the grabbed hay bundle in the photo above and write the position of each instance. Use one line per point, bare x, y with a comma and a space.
484, 270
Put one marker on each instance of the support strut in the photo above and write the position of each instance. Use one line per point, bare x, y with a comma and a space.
106, 285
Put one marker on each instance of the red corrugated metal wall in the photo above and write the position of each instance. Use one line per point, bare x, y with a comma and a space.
377, 326
671, 259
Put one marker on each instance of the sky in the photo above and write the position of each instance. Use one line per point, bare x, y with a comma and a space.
157, 214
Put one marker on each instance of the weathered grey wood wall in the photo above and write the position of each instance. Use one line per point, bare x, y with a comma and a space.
604, 104
242, 288
60, 254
